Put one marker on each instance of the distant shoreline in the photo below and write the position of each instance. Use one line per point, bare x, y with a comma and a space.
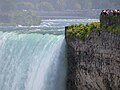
66, 17
69, 14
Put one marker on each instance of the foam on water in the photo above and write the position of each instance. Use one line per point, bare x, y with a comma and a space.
32, 61
33, 57
48, 25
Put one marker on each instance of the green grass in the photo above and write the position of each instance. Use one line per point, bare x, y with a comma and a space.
82, 31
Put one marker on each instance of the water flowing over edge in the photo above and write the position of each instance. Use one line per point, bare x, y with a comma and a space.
32, 61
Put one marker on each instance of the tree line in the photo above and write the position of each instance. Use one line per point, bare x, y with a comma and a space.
25, 12
57, 5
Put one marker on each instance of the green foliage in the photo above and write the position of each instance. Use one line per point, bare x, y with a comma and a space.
93, 25
114, 19
114, 28
82, 31
111, 17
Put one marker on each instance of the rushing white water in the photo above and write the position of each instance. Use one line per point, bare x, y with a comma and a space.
32, 61
33, 57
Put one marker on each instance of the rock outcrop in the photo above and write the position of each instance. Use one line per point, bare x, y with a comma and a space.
94, 64
109, 20
109, 17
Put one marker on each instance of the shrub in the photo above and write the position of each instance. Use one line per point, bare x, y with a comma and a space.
82, 31
114, 28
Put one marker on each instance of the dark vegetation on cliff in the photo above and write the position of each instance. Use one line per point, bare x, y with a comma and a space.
82, 31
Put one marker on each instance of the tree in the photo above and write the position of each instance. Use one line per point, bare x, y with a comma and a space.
45, 6
24, 6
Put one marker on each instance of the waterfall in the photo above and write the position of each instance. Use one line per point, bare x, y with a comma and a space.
32, 61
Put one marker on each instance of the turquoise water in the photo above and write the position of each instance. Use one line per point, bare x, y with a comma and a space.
33, 58
32, 61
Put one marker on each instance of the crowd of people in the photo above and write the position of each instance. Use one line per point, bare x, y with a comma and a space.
111, 12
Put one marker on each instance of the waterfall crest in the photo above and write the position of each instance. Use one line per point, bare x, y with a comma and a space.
32, 61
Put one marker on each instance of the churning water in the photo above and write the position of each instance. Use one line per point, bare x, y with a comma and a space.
33, 58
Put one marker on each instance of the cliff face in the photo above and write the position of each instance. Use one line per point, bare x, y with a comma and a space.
94, 64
